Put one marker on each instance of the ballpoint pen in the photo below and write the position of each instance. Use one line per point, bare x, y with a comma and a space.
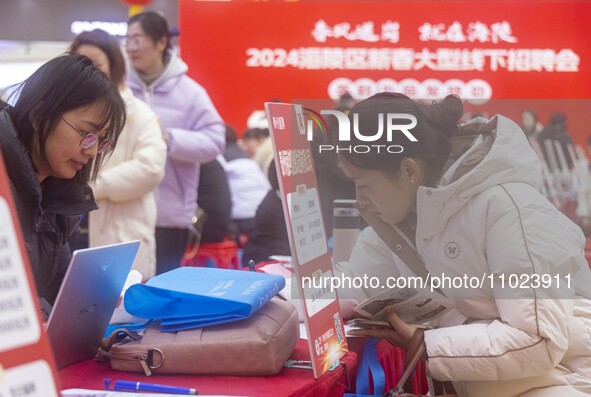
125, 385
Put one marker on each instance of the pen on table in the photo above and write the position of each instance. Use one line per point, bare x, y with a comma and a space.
251, 265
124, 385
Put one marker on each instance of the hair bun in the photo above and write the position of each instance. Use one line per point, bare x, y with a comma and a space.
446, 114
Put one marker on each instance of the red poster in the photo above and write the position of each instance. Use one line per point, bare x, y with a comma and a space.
310, 255
26, 361
498, 55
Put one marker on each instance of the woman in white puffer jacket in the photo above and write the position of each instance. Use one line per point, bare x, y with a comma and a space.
124, 189
484, 219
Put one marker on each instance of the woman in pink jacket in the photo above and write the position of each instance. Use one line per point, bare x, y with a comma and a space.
473, 212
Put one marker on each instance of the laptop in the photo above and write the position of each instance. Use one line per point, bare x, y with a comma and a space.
86, 300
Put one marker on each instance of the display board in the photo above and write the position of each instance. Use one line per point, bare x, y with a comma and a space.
26, 361
246, 53
311, 259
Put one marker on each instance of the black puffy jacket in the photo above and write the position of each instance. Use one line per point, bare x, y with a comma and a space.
47, 211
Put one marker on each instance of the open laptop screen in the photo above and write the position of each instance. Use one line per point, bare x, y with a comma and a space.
86, 300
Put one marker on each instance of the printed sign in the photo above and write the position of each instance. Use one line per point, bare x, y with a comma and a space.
306, 224
25, 355
310, 256
482, 51
34, 379
18, 314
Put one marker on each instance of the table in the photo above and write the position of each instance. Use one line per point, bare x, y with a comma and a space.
290, 382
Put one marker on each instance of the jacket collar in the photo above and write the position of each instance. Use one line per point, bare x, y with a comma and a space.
174, 69
68, 197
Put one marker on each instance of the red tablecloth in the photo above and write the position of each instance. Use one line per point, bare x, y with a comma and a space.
289, 382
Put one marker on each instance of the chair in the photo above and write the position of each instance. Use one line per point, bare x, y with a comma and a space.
223, 255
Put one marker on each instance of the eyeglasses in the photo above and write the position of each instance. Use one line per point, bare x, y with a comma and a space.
89, 139
134, 42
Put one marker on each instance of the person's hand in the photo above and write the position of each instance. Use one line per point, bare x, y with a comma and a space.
399, 335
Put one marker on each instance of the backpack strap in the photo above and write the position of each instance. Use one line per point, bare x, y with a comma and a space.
397, 239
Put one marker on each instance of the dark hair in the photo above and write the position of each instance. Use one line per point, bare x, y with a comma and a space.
435, 125
65, 83
272, 176
558, 120
230, 134
346, 101
255, 133
155, 26
107, 44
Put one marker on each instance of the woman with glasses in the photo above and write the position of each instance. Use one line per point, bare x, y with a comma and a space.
65, 122
124, 188
191, 126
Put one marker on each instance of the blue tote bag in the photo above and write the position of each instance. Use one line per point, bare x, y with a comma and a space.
193, 297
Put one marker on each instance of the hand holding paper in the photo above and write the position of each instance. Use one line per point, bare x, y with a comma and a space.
399, 334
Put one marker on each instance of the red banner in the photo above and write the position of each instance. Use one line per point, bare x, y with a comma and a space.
247, 53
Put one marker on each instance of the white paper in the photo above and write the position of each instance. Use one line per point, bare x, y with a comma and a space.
277, 269
350, 328
284, 259
120, 315
18, 313
413, 306
306, 224
33, 379
303, 332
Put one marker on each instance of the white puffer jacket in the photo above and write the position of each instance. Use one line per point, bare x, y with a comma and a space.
124, 189
487, 217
